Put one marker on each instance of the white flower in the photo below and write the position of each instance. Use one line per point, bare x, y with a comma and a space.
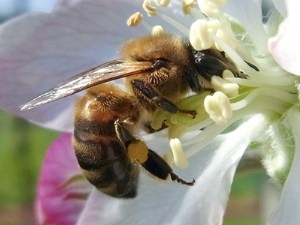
39, 50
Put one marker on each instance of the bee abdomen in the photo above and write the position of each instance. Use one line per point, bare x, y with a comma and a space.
104, 160
94, 148
91, 150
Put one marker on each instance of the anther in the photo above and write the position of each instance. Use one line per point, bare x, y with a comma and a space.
157, 30
209, 8
135, 19
162, 3
149, 8
187, 6
229, 88
218, 107
199, 37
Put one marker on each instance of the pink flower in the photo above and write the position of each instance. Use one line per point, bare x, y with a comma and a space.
62, 188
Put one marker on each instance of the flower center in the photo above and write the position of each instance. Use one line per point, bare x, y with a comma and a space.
263, 86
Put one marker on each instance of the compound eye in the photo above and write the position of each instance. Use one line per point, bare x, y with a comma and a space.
210, 65
160, 63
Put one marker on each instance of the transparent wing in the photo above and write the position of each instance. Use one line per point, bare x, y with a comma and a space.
106, 72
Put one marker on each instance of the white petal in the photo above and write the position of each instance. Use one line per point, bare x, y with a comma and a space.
288, 212
39, 50
43, 6
249, 14
285, 45
280, 7
171, 203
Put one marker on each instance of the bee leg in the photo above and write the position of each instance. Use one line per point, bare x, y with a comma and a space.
158, 167
147, 93
139, 153
192, 79
137, 150
149, 129
122, 133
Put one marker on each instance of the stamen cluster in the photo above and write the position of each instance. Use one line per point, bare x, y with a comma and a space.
265, 87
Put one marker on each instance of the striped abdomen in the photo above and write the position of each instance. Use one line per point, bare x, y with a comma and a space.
99, 152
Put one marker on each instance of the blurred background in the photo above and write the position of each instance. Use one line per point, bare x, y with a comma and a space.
23, 145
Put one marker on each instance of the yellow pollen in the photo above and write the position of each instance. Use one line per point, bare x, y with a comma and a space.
137, 152
135, 19
149, 8
187, 5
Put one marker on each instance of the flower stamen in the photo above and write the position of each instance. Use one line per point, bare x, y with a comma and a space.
149, 8
179, 156
200, 33
187, 6
211, 8
162, 3
205, 34
157, 30
135, 19
245, 90
229, 88
218, 107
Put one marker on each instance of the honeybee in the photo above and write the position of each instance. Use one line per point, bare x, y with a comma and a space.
158, 71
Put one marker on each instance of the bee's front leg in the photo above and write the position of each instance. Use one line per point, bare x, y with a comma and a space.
151, 98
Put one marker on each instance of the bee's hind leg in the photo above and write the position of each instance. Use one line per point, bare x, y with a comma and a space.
158, 167
139, 153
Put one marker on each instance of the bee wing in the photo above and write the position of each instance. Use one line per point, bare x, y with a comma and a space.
100, 74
